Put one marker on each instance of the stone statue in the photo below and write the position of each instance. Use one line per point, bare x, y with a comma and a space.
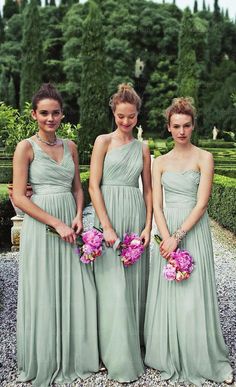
214, 133
140, 132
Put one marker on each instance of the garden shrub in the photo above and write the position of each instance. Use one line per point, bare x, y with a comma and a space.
5, 173
222, 202
229, 172
216, 144
228, 136
169, 143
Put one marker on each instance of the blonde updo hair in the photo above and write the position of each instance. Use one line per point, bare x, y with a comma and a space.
182, 105
125, 94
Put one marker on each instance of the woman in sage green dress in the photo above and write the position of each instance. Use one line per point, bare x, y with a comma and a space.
118, 160
56, 316
182, 329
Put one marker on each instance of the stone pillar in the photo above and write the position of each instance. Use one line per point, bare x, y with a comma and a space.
15, 232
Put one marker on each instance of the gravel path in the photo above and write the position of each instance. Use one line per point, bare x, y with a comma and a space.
225, 260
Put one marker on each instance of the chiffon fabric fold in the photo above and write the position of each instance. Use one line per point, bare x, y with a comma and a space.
182, 329
122, 291
56, 314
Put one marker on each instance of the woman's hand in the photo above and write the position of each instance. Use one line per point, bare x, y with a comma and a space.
109, 236
167, 246
77, 225
66, 233
145, 236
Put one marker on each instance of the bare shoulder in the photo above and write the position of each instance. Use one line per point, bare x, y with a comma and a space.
204, 155
23, 146
102, 142
159, 163
72, 145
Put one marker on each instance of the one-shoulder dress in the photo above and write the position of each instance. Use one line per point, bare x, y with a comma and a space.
122, 291
56, 316
182, 327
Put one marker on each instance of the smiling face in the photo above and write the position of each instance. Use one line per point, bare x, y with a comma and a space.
181, 127
126, 116
48, 115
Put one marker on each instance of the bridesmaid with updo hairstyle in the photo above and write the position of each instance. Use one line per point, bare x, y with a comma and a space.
118, 160
182, 328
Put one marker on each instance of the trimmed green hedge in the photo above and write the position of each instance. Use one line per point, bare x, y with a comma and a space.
7, 211
222, 202
5, 173
229, 172
216, 144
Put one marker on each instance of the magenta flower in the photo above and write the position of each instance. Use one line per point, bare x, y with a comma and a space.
179, 267
131, 249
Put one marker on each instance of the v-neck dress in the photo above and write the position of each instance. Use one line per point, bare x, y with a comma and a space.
56, 316
122, 291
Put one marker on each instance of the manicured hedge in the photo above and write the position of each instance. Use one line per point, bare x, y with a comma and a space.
222, 202
216, 144
225, 171
7, 211
5, 173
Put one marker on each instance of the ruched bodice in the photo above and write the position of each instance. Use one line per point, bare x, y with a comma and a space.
180, 188
121, 169
48, 176
57, 314
121, 291
182, 328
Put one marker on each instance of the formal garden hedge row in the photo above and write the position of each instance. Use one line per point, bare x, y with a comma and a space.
7, 211
221, 205
222, 202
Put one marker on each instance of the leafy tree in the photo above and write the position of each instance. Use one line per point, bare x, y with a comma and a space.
31, 69
187, 65
93, 88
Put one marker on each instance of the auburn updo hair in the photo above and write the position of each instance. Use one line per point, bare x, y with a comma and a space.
46, 91
125, 94
182, 105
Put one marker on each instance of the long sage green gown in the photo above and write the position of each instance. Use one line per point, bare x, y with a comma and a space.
56, 316
122, 291
182, 328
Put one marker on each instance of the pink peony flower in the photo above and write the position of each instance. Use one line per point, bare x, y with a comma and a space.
131, 249
169, 272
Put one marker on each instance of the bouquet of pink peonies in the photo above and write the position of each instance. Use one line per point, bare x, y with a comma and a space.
131, 249
179, 266
89, 244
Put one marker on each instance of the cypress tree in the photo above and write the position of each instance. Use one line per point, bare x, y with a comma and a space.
204, 5
31, 68
4, 85
187, 65
93, 88
2, 33
12, 93
195, 8
227, 13
10, 8
52, 2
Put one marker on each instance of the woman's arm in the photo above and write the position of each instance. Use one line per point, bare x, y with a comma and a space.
22, 158
77, 190
206, 165
147, 194
96, 170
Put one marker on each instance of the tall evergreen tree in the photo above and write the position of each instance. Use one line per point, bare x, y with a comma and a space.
227, 13
31, 68
3, 85
2, 33
187, 65
11, 93
204, 5
10, 8
216, 12
93, 88
195, 8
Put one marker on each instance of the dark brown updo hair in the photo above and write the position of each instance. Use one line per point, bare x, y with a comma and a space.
125, 94
182, 105
46, 91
